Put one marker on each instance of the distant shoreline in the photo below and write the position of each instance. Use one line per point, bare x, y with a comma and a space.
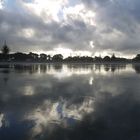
101, 63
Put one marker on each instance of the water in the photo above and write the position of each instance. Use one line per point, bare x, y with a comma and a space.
69, 102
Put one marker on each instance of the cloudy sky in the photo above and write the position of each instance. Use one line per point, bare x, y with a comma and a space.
80, 27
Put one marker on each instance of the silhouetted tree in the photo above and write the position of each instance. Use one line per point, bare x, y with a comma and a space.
32, 56
97, 59
43, 57
106, 59
137, 58
57, 58
69, 59
20, 56
5, 49
113, 58
49, 58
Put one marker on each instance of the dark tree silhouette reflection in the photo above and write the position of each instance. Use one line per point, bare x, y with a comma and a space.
136, 68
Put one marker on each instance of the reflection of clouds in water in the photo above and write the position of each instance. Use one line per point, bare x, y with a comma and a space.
81, 89
91, 80
59, 113
1, 119
114, 118
28, 90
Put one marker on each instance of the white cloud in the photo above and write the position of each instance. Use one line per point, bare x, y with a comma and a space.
28, 33
47, 9
1, 4
50, 113
79, 12
91, 44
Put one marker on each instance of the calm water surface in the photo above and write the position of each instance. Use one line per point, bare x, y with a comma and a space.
69, 102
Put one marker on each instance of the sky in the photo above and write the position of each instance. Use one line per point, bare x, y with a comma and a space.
71, 27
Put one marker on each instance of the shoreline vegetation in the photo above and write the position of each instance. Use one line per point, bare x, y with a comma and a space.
20, 57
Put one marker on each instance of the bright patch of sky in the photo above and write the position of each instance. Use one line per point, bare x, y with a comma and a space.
1, 4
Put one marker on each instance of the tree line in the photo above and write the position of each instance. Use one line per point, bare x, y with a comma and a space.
6, 56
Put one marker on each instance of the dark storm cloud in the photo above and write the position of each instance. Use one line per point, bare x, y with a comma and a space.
11, 26
116, 27
122, 16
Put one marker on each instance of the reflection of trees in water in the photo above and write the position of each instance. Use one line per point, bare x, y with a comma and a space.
5, 69
44, 68
98, 67
6, 75
26, 68
114, 67
5, 79
4, 66
80, 67
35, 68
136, 68
57, 67
106, 67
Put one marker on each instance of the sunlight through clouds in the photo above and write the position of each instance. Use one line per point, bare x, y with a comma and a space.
1, 4
47, 9
28, 33
65, 51
81, 25
91, 43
